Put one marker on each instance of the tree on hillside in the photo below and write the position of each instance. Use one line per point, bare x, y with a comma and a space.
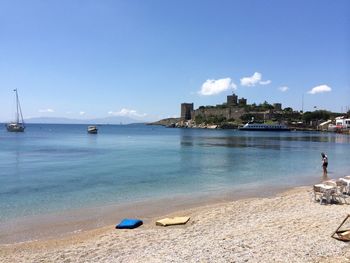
316, 115
288, 109
199, 119
266, 106
248, 117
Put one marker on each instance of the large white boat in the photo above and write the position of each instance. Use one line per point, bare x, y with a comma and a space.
18, 125
251, 126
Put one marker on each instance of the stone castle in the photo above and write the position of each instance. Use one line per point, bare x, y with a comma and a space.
233, 109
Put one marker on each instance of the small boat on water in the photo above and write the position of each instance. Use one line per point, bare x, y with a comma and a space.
251, 126
18, 125
92, 129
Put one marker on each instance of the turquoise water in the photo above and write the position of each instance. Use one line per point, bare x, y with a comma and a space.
51, 168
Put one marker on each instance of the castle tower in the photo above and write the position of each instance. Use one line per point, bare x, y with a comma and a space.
186, 109
277, 106
232, 100
242, 101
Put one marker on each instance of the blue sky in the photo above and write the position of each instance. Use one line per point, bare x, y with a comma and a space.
88, 59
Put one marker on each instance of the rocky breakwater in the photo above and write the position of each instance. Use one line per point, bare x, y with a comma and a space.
178, 123
165, 122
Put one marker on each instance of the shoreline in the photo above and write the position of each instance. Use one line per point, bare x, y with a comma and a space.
66, 223
69, 222
252, 228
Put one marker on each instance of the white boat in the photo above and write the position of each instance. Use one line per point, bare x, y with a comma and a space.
251, 126
18, 125
92, 129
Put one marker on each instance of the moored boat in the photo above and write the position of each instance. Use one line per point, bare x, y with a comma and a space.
252, 126
92, 129
264, 127
18, 125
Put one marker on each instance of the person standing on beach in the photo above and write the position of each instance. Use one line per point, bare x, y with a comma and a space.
324, 163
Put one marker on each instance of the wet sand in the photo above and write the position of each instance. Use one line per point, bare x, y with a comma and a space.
286, 227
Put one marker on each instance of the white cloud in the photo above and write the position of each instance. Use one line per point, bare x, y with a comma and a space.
253, 80
320, 89
127, 112
81, 112
213, 87
283, 88
265, 82
46, 110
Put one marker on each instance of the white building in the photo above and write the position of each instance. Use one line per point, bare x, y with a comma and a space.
342, 123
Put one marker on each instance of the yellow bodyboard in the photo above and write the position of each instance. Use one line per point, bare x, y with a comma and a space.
173, 221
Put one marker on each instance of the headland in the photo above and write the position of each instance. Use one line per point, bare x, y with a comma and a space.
233, 113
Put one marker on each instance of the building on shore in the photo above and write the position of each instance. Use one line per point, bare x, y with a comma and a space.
186, 111
242, 102
232, 110
277, 106
232, 100
342, 123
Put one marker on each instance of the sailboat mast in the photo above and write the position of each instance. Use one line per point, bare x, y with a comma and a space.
17, 114
19, 110
18, 125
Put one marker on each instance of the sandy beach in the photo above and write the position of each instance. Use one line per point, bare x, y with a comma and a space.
287, 227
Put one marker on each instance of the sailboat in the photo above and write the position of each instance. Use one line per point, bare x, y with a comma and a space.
16, 126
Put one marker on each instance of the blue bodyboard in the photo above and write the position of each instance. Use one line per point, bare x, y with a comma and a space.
129, 223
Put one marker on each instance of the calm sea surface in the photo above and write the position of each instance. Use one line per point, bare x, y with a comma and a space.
51, 168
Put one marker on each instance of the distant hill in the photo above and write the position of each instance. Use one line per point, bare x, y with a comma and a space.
106, 120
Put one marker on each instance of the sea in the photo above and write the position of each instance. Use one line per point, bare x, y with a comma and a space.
53, 168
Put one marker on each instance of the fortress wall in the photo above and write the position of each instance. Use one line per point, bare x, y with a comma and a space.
228, 113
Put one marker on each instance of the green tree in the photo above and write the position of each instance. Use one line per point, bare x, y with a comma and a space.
199, 119
316, 115
288, 109
213, 119
247, 117
266, 106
